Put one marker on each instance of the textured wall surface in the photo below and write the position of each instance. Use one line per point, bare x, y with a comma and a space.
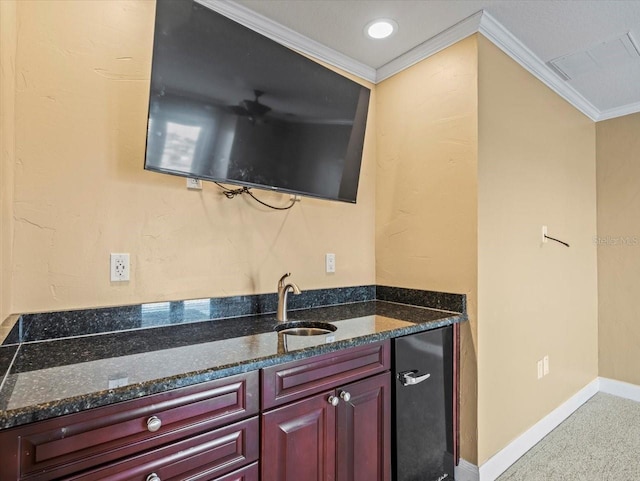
618, 167
536, 166
7, 148
426, 206
473, 156
81, 192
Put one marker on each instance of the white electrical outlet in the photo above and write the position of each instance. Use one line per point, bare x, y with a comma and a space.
194, 184
544, 234
545, 365
119, 267
330, 263
540, 369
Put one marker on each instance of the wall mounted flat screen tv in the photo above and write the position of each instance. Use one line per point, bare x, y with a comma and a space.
228, 104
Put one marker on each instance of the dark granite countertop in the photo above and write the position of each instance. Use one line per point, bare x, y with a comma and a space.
59, 374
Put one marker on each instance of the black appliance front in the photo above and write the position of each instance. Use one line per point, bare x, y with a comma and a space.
423, 437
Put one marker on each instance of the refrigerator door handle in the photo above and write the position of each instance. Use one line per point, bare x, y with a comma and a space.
409, 378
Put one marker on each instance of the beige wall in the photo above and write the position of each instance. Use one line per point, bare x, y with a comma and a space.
471, 161
426, 192
618, 161
536, 166
7, 148
81, 191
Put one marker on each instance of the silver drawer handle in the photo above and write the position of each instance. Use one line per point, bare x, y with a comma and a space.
345, 396
153, 424
409, 378
333, 400
153, 477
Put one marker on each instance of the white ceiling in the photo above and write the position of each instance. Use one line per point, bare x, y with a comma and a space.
542, 29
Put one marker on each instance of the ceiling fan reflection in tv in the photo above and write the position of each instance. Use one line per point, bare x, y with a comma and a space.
252, 109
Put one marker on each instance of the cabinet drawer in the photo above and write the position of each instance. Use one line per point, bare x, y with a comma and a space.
198, 458
76, 442
287, 382
248, 473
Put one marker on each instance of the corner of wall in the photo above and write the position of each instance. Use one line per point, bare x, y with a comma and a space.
426, 192
618, 184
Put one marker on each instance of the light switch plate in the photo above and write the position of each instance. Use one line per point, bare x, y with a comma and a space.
545, 365
330, 263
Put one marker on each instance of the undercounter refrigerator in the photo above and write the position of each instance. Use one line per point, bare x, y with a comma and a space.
423, 437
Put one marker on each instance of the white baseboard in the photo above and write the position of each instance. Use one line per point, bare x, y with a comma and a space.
620, 388
499, 463
466, 471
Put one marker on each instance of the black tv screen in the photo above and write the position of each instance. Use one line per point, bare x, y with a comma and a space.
228, 104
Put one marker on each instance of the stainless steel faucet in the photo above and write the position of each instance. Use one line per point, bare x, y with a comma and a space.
283, 292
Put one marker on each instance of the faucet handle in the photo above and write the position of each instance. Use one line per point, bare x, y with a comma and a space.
292, 287
281, 281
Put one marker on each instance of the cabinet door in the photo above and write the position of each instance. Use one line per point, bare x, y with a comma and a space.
364, 431
298, 441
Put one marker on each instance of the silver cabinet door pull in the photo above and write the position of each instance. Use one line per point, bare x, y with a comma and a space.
345, 396
153, 424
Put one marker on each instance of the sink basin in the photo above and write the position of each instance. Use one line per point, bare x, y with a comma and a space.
305, 328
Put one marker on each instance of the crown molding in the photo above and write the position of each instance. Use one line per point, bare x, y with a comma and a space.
619, 111
435, 44
480, 22
289, 38
509, 44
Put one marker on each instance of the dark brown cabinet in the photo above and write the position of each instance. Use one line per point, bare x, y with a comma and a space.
298, 441
186, 430
197, 458
248, 473
323, 418
342, 434
364, 430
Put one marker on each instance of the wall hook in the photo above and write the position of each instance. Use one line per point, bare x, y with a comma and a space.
557, 240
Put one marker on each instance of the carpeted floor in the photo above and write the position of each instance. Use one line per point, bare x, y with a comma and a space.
599, 442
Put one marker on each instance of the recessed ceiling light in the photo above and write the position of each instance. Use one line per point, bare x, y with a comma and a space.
381, 28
